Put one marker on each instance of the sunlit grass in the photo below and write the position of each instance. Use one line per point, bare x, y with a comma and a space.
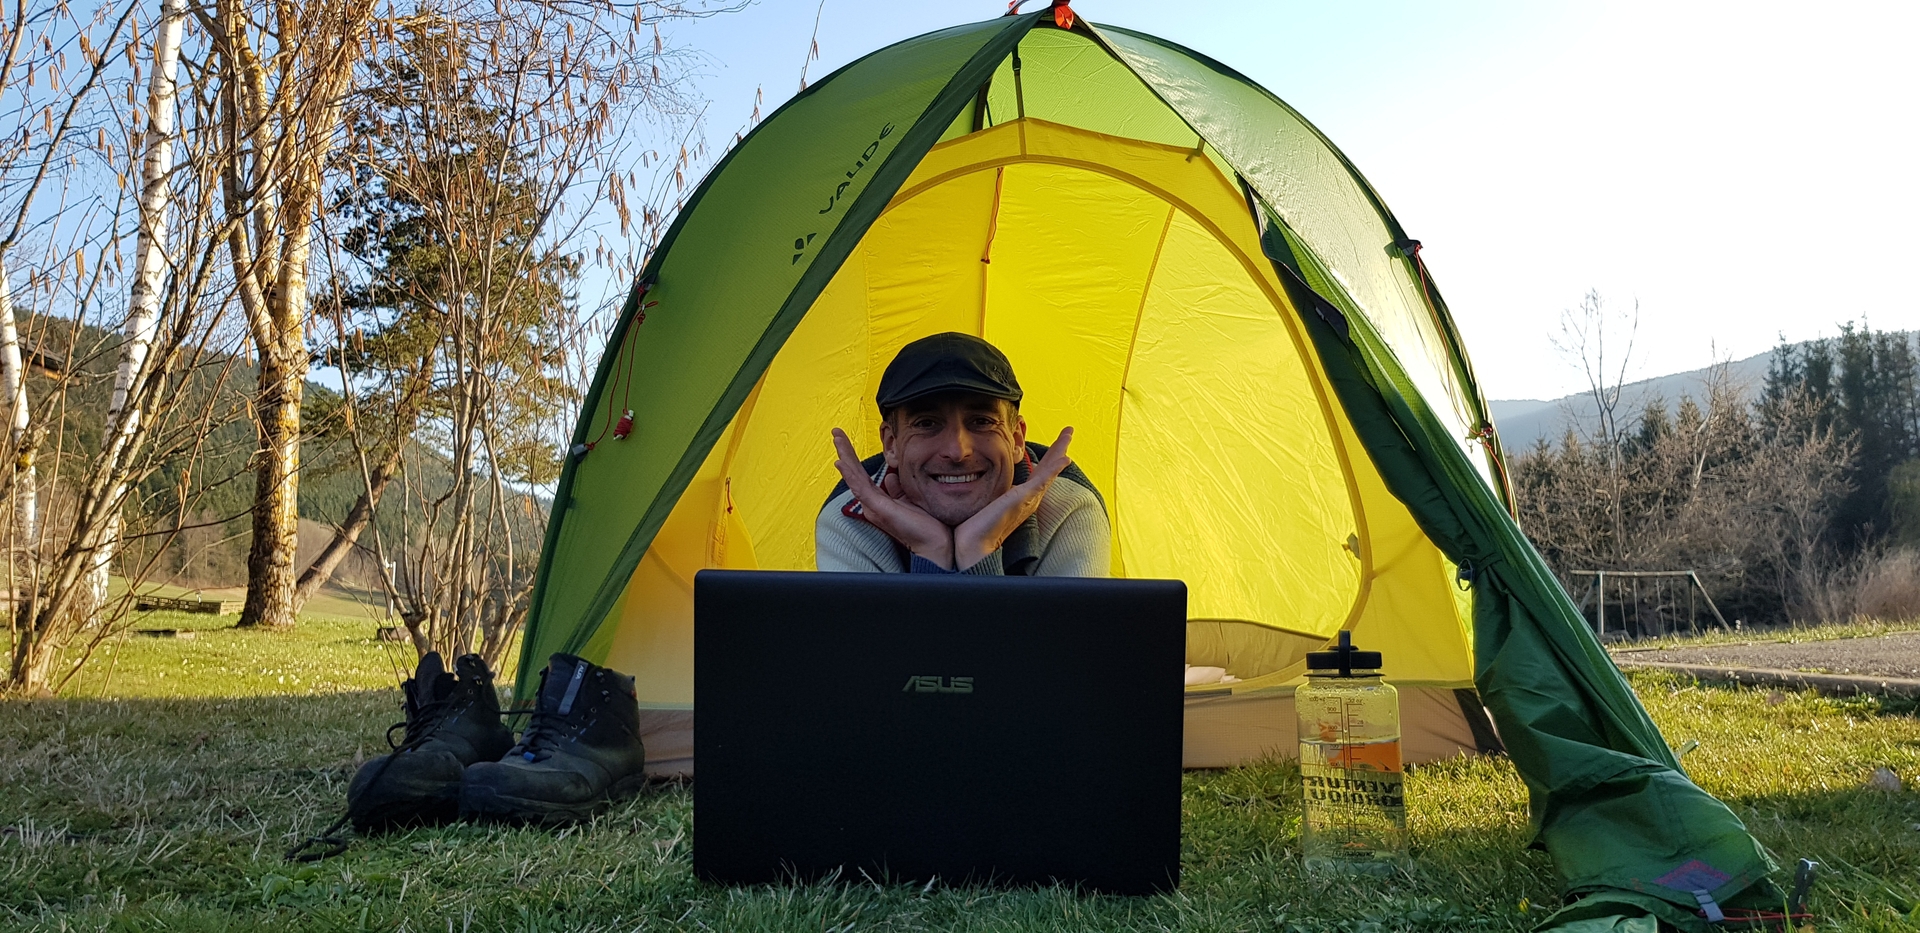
168, 806
1857, 628
333, 648
323, 654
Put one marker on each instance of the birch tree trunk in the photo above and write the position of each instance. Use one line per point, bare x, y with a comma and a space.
13, 382
150, 267
281, 118
276, 506
24, 484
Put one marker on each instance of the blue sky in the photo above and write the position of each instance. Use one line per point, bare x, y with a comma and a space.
1739, 170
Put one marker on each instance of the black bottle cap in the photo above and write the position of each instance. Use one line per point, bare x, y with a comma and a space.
1345, 658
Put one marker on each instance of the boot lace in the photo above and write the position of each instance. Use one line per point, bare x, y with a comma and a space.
546, 732
425, 721
548, 729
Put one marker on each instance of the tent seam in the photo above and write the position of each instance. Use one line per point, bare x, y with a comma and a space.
1126, 372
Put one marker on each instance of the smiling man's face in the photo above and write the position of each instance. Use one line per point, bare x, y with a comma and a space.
954, 451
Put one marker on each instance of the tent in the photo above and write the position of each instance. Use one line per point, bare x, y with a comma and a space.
1263, 380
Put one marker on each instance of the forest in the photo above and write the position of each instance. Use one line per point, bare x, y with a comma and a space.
1793, 501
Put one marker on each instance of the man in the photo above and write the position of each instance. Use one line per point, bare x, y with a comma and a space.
956, 488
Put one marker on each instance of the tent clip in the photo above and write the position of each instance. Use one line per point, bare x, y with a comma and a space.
1063, 15
1709, 907
1463, 576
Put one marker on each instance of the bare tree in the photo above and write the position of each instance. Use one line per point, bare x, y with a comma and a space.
150, 264
52, 98
18, 65
1787, 495
1591, 335
482, 147
282, 79
167, 403
222, 223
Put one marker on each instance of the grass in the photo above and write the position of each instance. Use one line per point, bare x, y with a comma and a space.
325, 654
166, 805
332, 650
1857, 628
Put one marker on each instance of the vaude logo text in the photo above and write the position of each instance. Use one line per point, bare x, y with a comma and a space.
800, 244
925, 684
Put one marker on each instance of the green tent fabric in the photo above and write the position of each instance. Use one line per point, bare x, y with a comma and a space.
1609, 799
765, 233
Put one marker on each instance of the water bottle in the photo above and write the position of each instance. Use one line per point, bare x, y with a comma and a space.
1356, 813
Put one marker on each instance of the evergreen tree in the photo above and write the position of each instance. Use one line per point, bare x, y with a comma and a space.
450, 329
1875, 406
1654, 424
1865, 384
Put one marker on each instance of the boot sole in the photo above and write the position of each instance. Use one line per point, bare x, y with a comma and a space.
483, 804
404, 813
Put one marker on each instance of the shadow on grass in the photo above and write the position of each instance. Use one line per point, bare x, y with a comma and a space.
173, 814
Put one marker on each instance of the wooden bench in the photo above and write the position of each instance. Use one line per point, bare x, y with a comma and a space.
212, 607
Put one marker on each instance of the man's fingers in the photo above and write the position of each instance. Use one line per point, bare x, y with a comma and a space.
845, 459
849, 465
1056, 460
1060, 443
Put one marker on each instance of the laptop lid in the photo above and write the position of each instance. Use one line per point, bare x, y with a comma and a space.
907, 727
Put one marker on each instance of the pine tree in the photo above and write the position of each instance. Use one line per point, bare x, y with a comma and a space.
450, 330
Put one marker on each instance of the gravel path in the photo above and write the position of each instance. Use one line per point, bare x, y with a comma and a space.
1894, 655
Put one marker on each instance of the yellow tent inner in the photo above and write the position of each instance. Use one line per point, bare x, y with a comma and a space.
1125, 282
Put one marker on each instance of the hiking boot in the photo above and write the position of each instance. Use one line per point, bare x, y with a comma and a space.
580, 752
453, 720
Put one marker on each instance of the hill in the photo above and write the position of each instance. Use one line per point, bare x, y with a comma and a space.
193, 510
1523, 422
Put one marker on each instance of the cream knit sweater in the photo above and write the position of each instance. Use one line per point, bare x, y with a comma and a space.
1072, 539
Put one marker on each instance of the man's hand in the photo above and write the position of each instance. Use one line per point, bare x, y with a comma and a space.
905, 522
983, 534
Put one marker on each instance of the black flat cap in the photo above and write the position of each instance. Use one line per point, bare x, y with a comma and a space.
949, 362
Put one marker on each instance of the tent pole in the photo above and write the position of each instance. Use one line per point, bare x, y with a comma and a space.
1019, 93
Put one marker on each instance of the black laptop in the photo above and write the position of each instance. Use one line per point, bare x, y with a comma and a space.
901, 727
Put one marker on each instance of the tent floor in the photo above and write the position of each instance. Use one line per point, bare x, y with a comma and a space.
1227, 729
1221, 731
